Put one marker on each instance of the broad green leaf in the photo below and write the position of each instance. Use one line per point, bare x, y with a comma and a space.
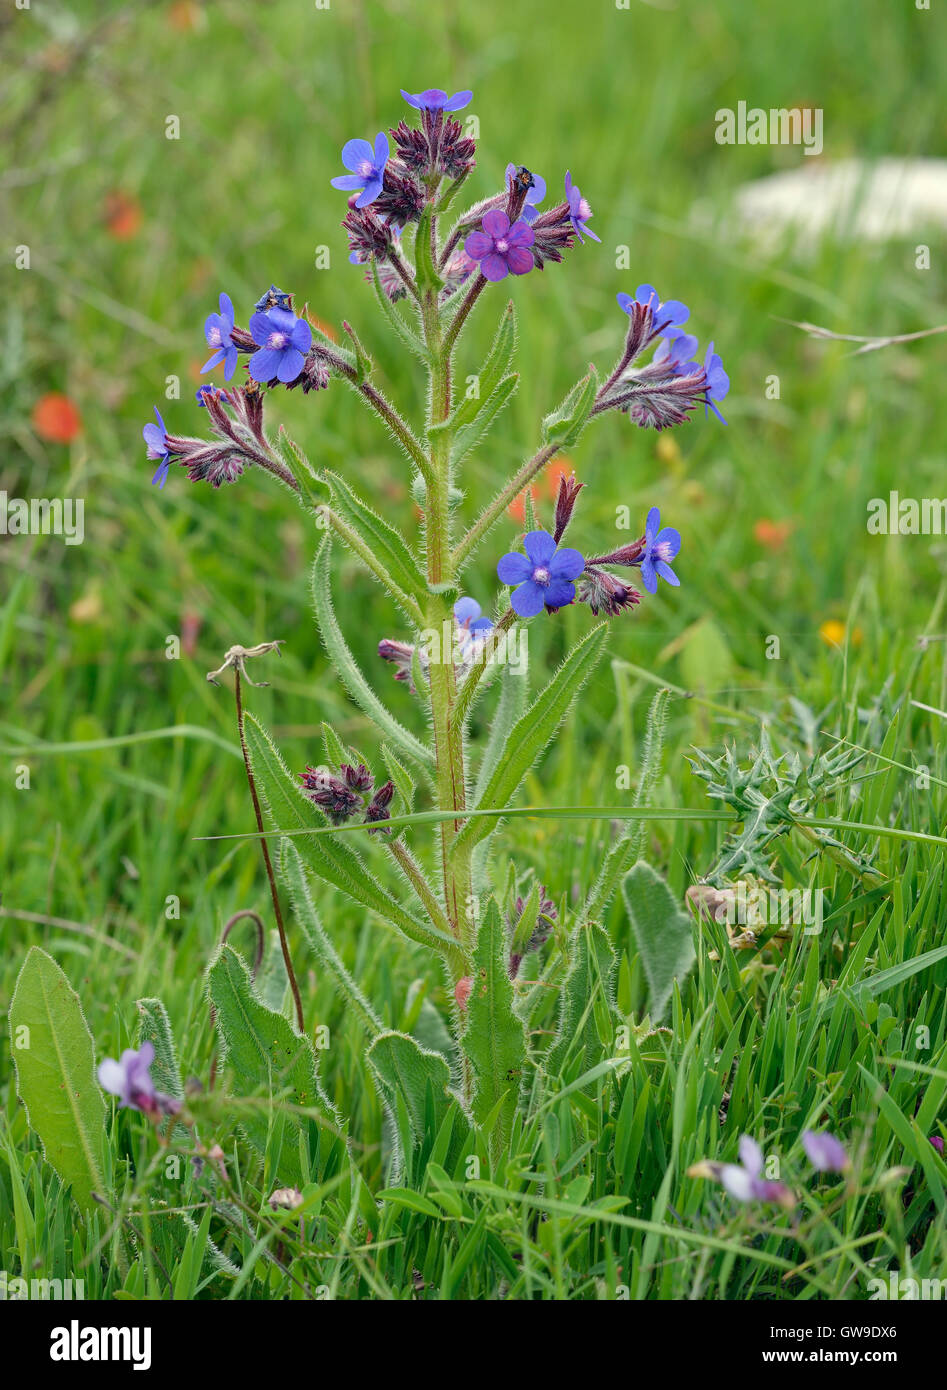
54, 1056
386, 544
406, 1069
348, 669
662, 931
630, 846
293, 874
588, 982
532, 732
268, 1059
494, 1039
331, 857
394, 320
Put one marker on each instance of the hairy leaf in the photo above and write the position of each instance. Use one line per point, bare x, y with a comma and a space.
495, 1039
419, 1077
588, 982
663, 934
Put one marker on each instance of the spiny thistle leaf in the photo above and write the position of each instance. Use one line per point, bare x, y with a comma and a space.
54, 1056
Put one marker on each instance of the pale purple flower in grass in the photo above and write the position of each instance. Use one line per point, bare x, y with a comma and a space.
544, 575
283, 341
156, 438
533, 198
743, 1181
217, 330
501, 249
435, 100
666, 318
130, 1080
718, 383
824, 1152
579, 211
938, 1143
367, 167
661, 546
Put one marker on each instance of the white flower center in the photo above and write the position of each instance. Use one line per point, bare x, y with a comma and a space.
502, 246
584, 209
276, 341
540, 576
214, 337
365, 168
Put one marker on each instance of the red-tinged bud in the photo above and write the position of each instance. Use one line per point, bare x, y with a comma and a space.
462, 991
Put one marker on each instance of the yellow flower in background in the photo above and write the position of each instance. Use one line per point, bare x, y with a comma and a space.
833, 630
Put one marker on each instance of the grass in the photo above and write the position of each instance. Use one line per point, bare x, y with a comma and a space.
133, 758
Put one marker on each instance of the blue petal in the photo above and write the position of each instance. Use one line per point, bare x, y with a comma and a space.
665, 571
373, 187
566, 564
290, 365
466, 609
514, 568
652, 524
348, 182
528, 600
669, 537
382, 151
356, 152
648, 577
214, 360
625, 302
226, 308
559, 592
263, 365
458, 101
539, 546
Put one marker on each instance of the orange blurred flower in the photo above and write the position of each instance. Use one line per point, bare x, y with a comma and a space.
559, 468
833, 632
56, 418
122, 215
772, 534
186, 16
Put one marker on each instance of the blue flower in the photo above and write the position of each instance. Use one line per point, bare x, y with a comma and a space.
202, 393
367, 166
718, 383
579, 210
543, 575
217, 331
467, 612
156, 438
678, 354
660, 547
436, 100
534, 196
283, 340
666, 318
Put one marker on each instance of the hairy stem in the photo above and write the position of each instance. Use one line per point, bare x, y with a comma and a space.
507, 494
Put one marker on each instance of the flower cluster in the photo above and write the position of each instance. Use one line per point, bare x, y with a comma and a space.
744, 1180
471, 629
344, 796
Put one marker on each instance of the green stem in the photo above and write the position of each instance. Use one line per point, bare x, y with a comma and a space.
355, 542
509, 493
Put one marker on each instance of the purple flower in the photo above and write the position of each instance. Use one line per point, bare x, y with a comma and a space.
938, 1143
666, 318
543, 575
367, 166
534, 196
436, 100
824, 1152
743, 1180
283, 340
130, 1080
156, 438
718, 383
579, 210
217, 330
660, 548
500, 248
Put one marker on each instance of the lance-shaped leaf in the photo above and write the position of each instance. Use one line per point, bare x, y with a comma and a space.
394, 320
269, 1059
387, 546
495, 368
563, 426
425, 270
54, 1056
494, 1039
331, 857
630, 846
421, 1078
532, 732
663, 934
399, 774
348, 669
469, 436
514, 687
293, 875
586, 1001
